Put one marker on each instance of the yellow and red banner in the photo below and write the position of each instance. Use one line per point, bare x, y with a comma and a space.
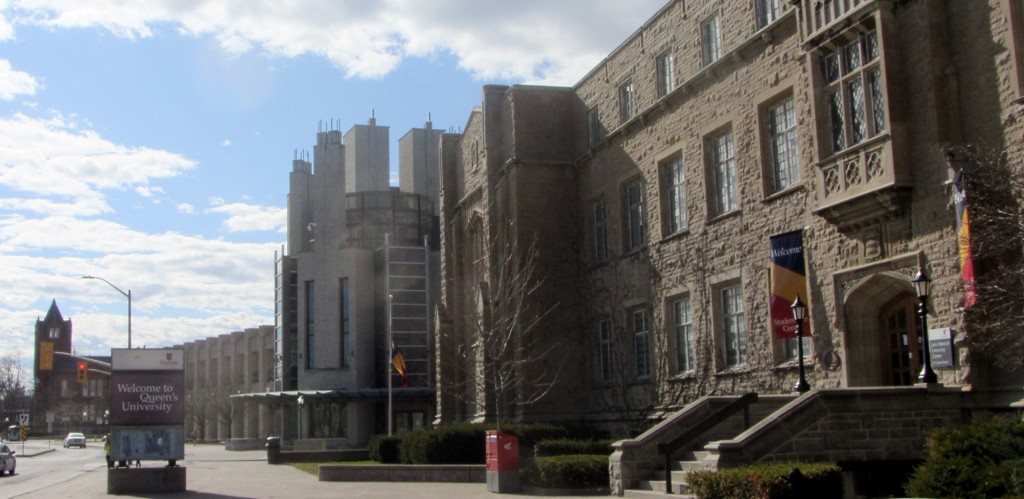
398, 362
963, 231
788, 280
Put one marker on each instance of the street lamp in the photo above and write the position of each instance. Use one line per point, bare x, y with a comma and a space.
923, 287
300, 401
127, 295
799, 314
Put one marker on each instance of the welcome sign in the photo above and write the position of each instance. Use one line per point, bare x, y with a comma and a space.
147, 403
147, 398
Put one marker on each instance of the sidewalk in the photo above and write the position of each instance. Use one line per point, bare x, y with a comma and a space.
213, 472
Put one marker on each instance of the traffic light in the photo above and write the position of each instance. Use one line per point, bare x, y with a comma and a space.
83, 372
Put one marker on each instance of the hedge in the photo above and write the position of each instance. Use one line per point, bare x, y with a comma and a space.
977, 460
384, 448
565, 447
449, 444
566, 471
769, 481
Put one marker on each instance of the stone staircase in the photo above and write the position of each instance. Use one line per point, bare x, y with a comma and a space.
872, 424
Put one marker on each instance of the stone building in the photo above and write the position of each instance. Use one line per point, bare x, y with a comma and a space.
62, 399
651, 189
221, 366
357, 276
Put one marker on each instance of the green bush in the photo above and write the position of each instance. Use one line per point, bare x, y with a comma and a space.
384, 448
768, 481
531, 433
566, 447
449, 444
976, 460
566, 471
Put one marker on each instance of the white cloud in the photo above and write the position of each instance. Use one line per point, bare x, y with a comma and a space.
186, 208
226, 143
242, 217
528, 40
14, 83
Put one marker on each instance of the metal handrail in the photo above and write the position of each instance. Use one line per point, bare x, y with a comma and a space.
695, 430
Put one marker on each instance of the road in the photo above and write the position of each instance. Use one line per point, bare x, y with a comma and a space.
43, 464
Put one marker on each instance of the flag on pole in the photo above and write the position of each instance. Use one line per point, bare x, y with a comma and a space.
398, 362
788, 280
963, 230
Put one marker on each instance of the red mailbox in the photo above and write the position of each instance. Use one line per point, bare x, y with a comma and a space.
502, 452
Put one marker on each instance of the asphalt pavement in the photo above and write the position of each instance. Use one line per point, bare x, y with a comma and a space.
213, 472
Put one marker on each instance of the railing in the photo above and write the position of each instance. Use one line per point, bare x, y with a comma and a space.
819, 15
702, 426
858, 170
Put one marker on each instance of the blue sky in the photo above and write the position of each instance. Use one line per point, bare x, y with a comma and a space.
149, 143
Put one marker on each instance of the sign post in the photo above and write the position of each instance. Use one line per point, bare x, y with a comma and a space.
147, 418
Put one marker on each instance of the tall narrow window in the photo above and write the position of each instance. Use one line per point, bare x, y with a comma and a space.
768, 11
600, 232
635, 214
710, 41
593, 127
666, 74
627, 102
782, 134
605, 345
343, 303
641, 344
684, 335
54, 333
734, 327
854, 91
723, 165
675, 194
790, 346
310, 326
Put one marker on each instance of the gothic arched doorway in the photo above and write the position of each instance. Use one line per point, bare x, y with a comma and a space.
882, 346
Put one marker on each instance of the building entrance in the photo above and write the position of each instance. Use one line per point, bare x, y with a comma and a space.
901, 343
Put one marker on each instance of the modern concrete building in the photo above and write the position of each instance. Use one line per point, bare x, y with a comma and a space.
357, 276
217, 368
652, 189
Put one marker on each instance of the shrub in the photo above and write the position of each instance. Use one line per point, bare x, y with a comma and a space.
531, 433
566, 471
449, 444
768, 481
384, 448
565, 447
976, 460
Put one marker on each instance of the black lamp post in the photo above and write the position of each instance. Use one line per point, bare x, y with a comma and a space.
923, 286
799, 314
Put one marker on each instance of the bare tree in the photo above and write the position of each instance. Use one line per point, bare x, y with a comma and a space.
12, 384
994, 188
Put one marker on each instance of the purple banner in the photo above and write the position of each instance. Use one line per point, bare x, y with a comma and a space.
147, 398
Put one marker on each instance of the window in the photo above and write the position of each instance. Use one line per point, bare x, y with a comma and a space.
635, 215
310, 326
790, 346
343, 306
674, 182
54, 332
641, 344
723, 166
1016, 44
593, 127
600, 232
768, 11
476, 155
666, 74
854, 91
733, 326
605, 345
683, 323
710, 41
627, 102
782, 135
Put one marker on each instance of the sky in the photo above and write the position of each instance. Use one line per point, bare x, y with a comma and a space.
149, 142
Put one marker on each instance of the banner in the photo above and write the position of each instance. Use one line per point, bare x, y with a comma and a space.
787, 280
963, 230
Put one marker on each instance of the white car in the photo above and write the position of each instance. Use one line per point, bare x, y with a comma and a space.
74, 440
7, 460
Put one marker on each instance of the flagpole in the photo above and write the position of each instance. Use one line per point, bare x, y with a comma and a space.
390, 344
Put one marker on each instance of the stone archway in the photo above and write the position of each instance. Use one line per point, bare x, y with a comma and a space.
866, 342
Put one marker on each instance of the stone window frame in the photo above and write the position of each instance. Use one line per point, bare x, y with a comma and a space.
767, 12
605, 351
629, 242
769, 165
666, 195
54, 333
720, 316
665, 72
475, 160
851, 66
683, 364
642, 342
716, 205
627, 101
593, 127
711, 47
